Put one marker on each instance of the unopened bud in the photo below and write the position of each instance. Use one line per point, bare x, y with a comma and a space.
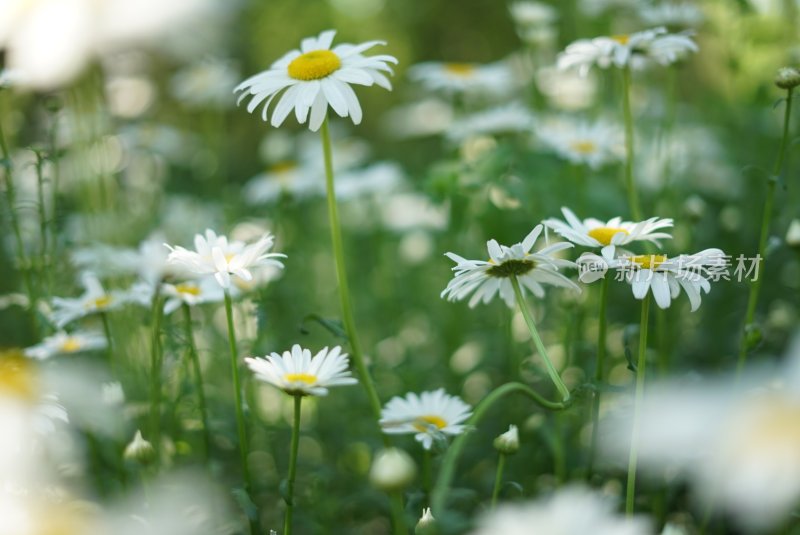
426, 524
508, 442
393, 469
793, 234
140, 450
787, 78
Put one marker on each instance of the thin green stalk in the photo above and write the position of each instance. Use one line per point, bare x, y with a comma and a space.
427, 472
450, 460
766, 220
630, 494
109, 340
237, 393
155, 372
551, 370
630, 184
42, 213
498, 479
599, 372
198, 377
287, 520
398, 514
341, 277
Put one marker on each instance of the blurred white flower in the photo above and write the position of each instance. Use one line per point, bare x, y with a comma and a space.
314, 77
393, 469
493, 79
215, 255
191, 293
506, 119
430, 415
793, 233
530, 13
209, 82
112, 393
485, 279
296, 372
139, 450
571, 511
675, 14
95, 299
594, 144
406, 211
62, 343
567, 90
376, 178
507, 443
608, 235
424, 117
735, 439
634, 50
594, 8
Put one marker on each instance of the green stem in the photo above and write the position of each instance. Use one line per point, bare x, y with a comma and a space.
498, 479
109, 340
42, 213
287, 521
398, 514
341, 278
427, 473
637, 406
237, 393
602, 325
450, 460
198, 377
755, 286
155, 372
551, 370
630, 184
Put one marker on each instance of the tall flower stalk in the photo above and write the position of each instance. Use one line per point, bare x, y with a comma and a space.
598, 372
630, 492
630, 183
287, 519
198, 376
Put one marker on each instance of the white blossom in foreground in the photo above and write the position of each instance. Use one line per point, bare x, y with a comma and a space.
62, 343
570, 511
314, 77
735, 440
485, 279
215, 255
608, 235
296, 372
429, 416
629, 50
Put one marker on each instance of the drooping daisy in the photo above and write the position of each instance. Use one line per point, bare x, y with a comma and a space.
94, 299
205, 290
215, 255
314, 77
492, 79
609, 234
63, 343
297, 373
659, 274
430, 415
634, 50
484, 279
594, 144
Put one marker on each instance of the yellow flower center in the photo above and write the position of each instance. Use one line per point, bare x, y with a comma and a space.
314, 65
188, 289
16, 375
622, 39
283, 167
71, 345
424, 423
604, 234
649, 261
584, 147
101, 302
460, 69
306, 378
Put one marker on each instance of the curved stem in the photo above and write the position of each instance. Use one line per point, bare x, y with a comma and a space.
450, 460
766, 219
630, 494
198, 377
287, 521
551, 370
630, 184
598, 372
341, 277
498, 479
237, 392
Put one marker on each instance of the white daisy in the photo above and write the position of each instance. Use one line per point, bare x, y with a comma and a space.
682, 14
506, 119
610, 234
62, 343
205, 290
286, 177
580, 142
314, 77
216, 255
296, 372
94, 299
662, 275
634, 50
206, 83
487, 278
492, 79
430, 415
571, 511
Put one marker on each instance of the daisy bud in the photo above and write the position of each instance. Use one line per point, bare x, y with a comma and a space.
508, 442
426, 524
793, 234
139, 450
787, 78
393, 469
